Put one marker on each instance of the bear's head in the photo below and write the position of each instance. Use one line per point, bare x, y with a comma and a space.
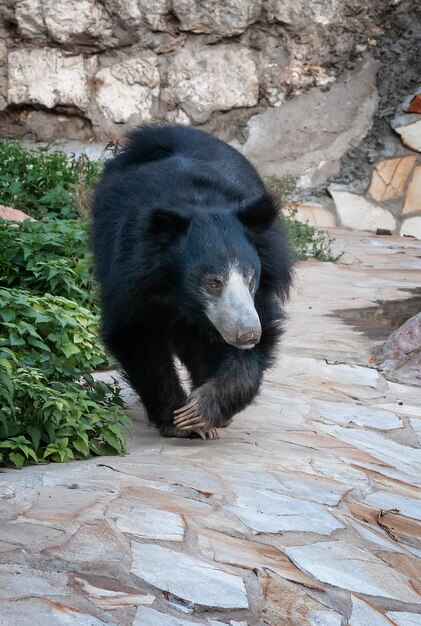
213, 266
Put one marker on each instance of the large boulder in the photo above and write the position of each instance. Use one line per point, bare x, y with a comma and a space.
400, 357
307, 136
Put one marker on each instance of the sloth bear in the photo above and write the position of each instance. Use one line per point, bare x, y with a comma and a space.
193, 263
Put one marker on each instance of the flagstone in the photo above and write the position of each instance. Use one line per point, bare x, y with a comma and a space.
365, 614
152, 524
187, 577
250, 555
348, 567
388, 500
146, 616
266, 511
34, 611
362, 415
402, 618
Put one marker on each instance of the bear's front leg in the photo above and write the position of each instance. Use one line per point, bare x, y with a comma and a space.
234, 385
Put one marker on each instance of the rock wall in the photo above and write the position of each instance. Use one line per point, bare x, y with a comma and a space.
86, 69
303, 87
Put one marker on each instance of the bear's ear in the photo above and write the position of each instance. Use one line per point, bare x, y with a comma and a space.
259, 213
168, 224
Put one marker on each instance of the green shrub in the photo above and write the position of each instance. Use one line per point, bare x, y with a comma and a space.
44, 182
48, 257
50, 406
305, 240
59, 420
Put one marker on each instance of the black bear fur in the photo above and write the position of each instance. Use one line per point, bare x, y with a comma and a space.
179, 201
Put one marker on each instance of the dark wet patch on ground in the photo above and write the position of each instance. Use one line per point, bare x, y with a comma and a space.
381, 319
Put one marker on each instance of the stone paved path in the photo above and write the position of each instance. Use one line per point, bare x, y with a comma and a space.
307, 511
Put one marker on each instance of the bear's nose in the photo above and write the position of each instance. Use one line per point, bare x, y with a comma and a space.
250, 335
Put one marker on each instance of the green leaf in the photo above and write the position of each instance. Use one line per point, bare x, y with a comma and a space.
17, 459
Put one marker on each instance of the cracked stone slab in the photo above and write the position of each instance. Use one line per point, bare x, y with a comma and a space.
365, 614
195, 580
33, 611
348, 567
266, 511
360, 414
152, 524
287, 604
403, 618
250, 555
387, 500
150, 617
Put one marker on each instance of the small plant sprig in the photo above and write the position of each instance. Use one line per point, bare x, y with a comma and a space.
305, 240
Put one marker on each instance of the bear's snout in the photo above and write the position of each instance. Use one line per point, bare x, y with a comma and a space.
248, 337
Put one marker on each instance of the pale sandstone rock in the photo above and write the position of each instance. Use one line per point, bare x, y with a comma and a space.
13, 215
225, 18
411, 135
298, 11
412, 227
400, 356
357, 212
349, 567
29, 18
128, 88
48, 610
389, 178
290, 605
364, 613
413, 194
153, 14
303, 138
150, 617
47, 77
314, 215
76, 21
215, 78
129, 11
196, 581
403, 618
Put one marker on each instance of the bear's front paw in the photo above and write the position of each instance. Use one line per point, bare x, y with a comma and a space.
193, 417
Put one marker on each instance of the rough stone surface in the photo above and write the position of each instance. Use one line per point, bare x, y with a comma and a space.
400, 357
357, 212
219, 78
76, 21
47, 77
348, 567
314, 215
222, 17
160, 536
128, 89
302, 137
412, 227
296, 12
195, 581
14, 215
413, 194
390, 177
411, 135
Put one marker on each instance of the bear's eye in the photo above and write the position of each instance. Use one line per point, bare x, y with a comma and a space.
214, 284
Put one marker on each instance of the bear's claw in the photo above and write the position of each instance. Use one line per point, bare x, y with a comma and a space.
189, 418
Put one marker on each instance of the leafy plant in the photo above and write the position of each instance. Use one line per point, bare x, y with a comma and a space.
305, 240
50, 405
44, 182
48, 257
